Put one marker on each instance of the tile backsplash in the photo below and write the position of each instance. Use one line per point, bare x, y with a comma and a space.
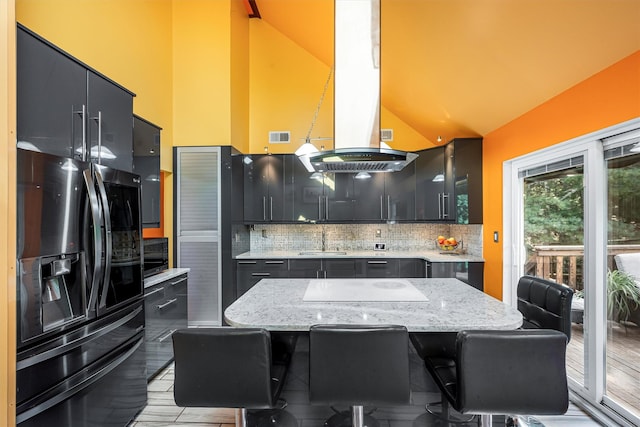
359, 237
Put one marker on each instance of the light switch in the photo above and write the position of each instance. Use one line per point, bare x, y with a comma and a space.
495, 237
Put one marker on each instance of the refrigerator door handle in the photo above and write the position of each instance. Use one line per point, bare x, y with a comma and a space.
97, 240
108, 239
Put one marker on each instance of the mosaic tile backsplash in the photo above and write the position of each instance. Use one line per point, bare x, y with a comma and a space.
359, 237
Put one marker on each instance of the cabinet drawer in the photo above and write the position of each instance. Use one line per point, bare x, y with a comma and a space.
165, 312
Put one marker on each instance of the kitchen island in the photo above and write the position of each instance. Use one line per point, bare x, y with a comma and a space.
451, 305
440, 305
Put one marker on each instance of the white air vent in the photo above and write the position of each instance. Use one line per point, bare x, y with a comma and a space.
279, 137
386, 135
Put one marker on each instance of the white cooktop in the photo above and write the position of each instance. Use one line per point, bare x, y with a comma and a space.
362, 290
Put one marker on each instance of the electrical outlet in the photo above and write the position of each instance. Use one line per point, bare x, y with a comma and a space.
379, 246
264, 233
378, 233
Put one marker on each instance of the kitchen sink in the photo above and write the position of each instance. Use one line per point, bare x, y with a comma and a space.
322, 253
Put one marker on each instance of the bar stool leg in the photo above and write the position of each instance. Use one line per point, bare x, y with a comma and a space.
357, 416
486, 420
241, 417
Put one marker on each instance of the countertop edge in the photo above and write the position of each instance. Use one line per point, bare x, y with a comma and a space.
432, 256
164, 275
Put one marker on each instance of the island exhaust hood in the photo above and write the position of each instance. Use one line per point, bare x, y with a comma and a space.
357, 96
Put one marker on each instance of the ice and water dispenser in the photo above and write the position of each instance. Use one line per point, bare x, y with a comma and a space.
52, 293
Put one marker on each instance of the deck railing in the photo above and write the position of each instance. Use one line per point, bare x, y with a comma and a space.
563, 263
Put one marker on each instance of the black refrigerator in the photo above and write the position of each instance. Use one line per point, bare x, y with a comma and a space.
80, 312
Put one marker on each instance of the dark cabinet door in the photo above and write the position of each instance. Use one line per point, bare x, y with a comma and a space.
304, 191
468, 180
146, 163
434, 184
305, 268
370, 201
110, 123
264, 188
400, 194
338, 197
51, 98
335, 268
412, 268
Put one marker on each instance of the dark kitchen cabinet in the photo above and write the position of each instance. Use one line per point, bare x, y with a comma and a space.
435, 184
322, 268
339, 268
400, 194
369, 197
251, 271
264, 187
146, 163
468, 180
67, 109
390, 267
471, 273
305, 268
165, 306
304, 192
339, 199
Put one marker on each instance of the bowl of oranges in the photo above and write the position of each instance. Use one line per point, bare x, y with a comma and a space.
450, 244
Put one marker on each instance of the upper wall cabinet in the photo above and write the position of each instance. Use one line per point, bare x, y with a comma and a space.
146, 163
467, 153
434, 184
67, 109
264, 177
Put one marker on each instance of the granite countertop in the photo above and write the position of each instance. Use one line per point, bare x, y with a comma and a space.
427, 255
164, 275
278, 304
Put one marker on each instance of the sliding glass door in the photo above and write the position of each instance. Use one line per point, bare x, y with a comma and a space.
572, 215
622, 385
553, 237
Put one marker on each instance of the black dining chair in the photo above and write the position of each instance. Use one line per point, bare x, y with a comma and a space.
230, 368
358, 366
505, 372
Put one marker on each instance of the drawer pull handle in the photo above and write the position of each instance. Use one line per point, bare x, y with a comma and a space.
166, 304
261, 274
178, 281
376, 262
155, 291
274, 262
168, 335
246, 262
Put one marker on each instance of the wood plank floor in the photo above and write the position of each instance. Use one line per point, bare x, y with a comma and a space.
161, 410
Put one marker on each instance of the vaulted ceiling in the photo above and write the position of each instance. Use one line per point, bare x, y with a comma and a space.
457, 68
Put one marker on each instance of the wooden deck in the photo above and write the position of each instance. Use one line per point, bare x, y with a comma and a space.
623, 362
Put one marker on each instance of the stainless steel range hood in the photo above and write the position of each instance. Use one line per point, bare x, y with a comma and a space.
357, 95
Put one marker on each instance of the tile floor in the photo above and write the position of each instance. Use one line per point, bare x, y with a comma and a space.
161, 411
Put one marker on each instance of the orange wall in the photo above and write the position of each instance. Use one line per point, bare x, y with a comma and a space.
612, 96
7, 213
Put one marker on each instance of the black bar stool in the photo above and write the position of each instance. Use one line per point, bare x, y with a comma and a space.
230, 368
358, 366
505, 372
